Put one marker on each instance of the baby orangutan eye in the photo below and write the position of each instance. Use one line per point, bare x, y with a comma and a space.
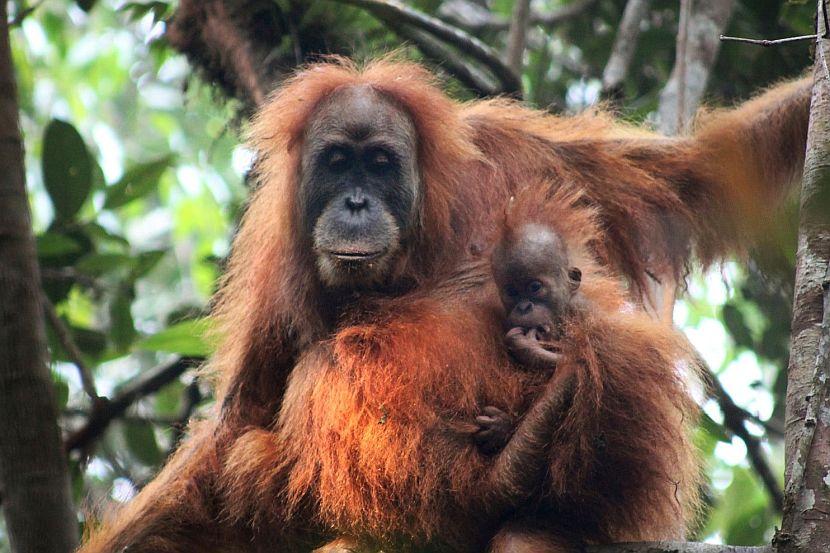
575, 274
534, 287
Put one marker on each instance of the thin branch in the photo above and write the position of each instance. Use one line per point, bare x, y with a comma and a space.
109, 410
72, 275
489, 22
563, 14
517, 36
477, 81
674, 547
394, 11
765, 42
734, 420
771, 427
68, 344
625, 44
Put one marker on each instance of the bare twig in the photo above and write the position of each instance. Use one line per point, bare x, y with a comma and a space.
477, 81
517, 36
765, 42
625, 44
394, 11
108, 410
68, 344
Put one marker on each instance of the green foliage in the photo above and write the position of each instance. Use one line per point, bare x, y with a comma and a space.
188, 338
67, 169
141, 439
137, 182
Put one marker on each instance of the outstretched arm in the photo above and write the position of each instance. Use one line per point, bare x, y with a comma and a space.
713, 193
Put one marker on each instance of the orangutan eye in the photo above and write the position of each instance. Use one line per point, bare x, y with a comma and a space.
380, 158
575, 274
337, 159
512, 292
379, 161
534, 287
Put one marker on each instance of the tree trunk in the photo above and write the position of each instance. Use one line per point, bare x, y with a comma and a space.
697, 50
625, 44
517, 36
33, 471
806, 523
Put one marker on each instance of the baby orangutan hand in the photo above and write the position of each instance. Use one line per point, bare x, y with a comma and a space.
525, 345
495, 429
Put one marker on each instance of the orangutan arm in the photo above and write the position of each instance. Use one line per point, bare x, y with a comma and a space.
518, 470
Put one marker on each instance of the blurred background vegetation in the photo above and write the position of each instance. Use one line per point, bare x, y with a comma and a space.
137, 178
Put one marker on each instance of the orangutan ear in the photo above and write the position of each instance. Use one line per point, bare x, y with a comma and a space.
574, 278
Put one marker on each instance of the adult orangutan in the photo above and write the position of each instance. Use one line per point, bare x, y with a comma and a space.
343, 369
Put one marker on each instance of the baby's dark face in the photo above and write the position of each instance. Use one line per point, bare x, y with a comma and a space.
534, 277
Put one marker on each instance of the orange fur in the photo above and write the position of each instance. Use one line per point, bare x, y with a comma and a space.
352, 422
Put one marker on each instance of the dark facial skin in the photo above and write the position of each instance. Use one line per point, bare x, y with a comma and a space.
359, 186
536, 284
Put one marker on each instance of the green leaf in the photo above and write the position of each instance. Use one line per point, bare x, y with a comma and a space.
50, 244
122, 331
92, 343
97, 264
137, 182
145, 262
140, 9
167, 399
141, 440
188, 338
67, 168
100, 234
61, 391
713, 429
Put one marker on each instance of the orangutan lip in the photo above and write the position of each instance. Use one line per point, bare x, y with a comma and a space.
356, 256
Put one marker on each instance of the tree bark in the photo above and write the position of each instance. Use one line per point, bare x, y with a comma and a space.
806, 524
696, 55
625, 44
517, 36
33, 472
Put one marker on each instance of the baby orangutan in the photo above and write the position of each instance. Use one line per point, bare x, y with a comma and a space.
568, 317
537, 285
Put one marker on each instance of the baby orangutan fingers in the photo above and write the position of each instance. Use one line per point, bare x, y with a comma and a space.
528, 351
495, 429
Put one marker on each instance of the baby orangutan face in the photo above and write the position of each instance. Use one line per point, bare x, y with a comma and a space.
535, 278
